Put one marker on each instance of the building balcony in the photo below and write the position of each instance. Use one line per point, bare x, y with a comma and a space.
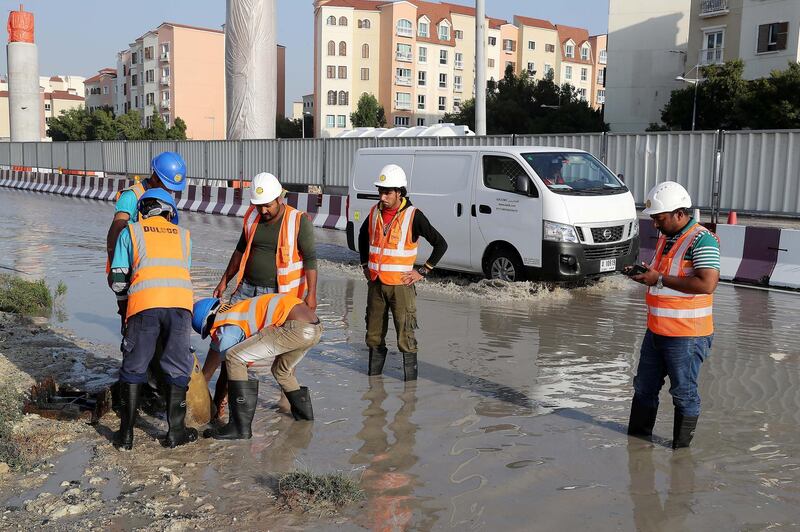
164, 104
713, 8
402, 80
459, 65
404, 57
457, 88
712, 56
164, 56
402, 106
165, 80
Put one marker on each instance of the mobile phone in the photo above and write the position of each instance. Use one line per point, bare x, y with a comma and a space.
635, 269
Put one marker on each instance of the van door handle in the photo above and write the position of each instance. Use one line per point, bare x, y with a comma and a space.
485, 209
458, 209
472, 211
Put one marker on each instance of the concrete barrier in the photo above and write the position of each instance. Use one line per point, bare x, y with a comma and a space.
787, 270
759, 255
731, 249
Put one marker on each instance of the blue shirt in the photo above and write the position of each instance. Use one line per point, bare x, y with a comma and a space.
123, 251
226, 337
128, 204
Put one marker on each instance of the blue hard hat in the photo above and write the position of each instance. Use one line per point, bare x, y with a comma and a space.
164, 198
204, 309
170, 169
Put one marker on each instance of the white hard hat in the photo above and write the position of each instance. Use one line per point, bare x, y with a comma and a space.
264, 188
391, 176
667, 197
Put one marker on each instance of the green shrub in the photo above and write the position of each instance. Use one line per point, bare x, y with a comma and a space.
327, 492
26, 298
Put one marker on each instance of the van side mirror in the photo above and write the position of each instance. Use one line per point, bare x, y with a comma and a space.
522, 185
621, 177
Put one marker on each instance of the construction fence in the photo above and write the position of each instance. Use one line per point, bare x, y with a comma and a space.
747, 171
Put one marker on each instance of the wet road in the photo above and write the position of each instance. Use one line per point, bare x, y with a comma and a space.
518, 419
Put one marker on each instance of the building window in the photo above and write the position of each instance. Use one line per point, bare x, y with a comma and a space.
331, 72
713, 46
404, 52
442, 81
457, 83
442, 103
459, 61
165, 118
134, 58
423, 54
342, 21
331, 48
422, 78
331, 97
531, 45
344, 98
165, 72
444, 31
404, 28
331, 22
365, 51
492, 41
568, 72
509, 45
165, 51
134, 80
150, 98
148, 53
603, 57
548, 70
367, 24
581, 93
403, 101
401, 121
47, 107
601, 76
585, 53
550, 48
772, 37
149, 76
569, 50
456, 105
403, 76
459, 35
364, 74
420, 121
343, 48
491, 63
443, 57
584, 74
531, 68
601, 96
342, 72
421, 102
136, 101
512, 65
423, 27
165, 96
330, 120
341, 120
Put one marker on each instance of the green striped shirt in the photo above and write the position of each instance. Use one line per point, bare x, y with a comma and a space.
704, 251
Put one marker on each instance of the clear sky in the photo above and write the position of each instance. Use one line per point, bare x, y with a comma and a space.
81, 36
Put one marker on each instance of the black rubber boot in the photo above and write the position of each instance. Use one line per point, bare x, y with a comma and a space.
683, 430
377, 357
128, 405
642, 420
242, 401
177, 434
409, 366
301, 404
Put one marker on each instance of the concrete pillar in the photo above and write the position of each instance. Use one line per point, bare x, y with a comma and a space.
24, 99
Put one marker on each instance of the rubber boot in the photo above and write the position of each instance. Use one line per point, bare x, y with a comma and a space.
642, 420
301, 404
128, 405
177, 434
683, 430
242, 401
377, 357
409, 366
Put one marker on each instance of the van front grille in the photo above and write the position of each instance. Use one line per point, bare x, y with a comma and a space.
607, 234
607, 252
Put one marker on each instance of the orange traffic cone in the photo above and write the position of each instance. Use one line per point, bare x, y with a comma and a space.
732, 218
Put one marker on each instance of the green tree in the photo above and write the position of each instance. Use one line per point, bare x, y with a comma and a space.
102, 126
774, 102
178, 130
70, 124
368, 113
130, 126
157, 129
286, 128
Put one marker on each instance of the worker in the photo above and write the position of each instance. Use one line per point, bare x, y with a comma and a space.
275, 254
168, 171
276, 329
681, 281
387, 243
151, 265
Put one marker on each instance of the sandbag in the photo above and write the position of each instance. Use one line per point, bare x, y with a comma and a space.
198, 398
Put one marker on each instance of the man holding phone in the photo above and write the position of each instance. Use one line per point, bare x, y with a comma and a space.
681, 281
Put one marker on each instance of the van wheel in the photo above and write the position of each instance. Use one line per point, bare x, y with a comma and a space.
505, 265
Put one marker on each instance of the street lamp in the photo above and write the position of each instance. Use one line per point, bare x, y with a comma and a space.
213, 121
695, 82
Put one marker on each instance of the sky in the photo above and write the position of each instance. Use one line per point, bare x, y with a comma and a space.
79, 37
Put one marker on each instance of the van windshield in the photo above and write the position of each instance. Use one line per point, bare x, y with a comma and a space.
574, 173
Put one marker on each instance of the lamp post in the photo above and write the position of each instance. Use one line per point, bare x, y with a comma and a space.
213, 121
695, 82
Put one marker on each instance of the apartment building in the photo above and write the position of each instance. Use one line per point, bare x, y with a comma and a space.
58, 93
101, 90
599, 47
418, 58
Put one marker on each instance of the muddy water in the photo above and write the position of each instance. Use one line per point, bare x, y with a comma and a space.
518, 419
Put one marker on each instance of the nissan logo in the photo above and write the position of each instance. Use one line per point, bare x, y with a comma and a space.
606, 234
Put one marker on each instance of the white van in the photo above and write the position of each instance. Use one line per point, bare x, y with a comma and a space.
509, 212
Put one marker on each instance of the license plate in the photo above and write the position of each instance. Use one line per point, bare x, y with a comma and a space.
608, 265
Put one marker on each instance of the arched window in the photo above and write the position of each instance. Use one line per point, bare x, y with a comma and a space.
331, 97
404, 28
331, 21
342, 48
331, 48
366, 24
360, 23
365, 51
342, 21
343, 98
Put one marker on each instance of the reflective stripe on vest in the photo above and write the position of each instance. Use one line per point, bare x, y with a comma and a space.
246, 315
392, 251
290, 273
138, 190
671, 312
160, 275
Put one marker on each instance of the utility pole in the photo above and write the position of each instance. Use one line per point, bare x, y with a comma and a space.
480, 67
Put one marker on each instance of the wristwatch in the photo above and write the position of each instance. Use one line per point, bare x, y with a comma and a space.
660, 282
423, 271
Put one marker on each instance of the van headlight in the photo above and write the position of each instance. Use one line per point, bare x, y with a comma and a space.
556, 232
634, 228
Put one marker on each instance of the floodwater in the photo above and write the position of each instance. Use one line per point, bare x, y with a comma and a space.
518, 419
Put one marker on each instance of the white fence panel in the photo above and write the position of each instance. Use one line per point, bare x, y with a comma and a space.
59, 155
592, 143
261, 156
339, 156
223, 160
44, 154
94, 156
29, 154
16, 153
193, 153
138, 154
114, 157
75, 155
5, 153
302, 161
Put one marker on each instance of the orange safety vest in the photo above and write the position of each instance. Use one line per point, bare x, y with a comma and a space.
392, 251
160, 272
671, 312
253, 314
137, 189
288, 261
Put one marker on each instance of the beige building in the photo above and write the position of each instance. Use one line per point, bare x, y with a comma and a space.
599, 45
714, 31
101, 90
179, 71
58, 93
417, 58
